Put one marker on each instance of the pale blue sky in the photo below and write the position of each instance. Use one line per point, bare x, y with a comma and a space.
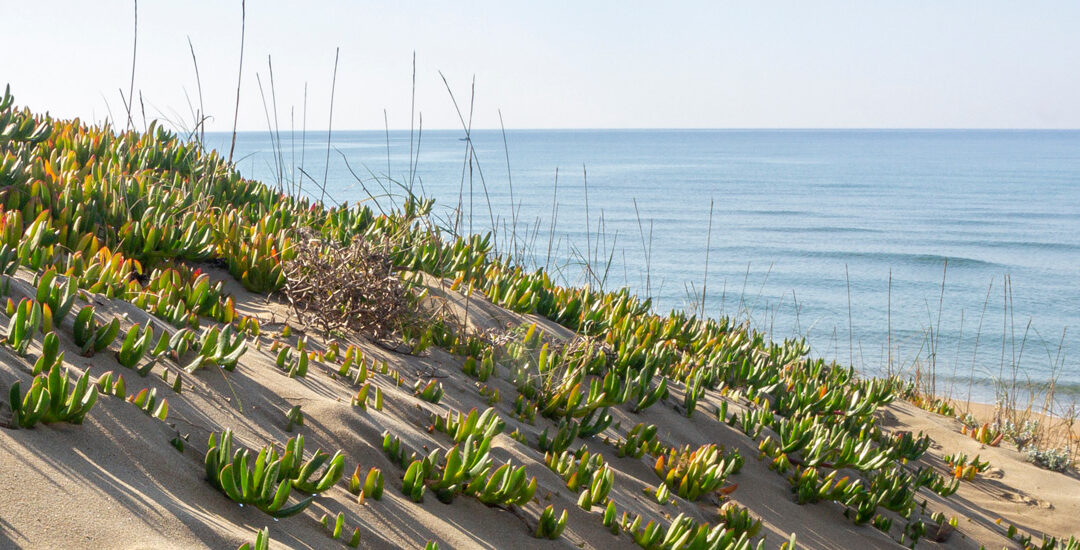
700, 64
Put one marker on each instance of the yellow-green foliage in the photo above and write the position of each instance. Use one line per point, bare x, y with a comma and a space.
50, 400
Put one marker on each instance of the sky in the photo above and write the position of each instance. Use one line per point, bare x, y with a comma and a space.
689, 64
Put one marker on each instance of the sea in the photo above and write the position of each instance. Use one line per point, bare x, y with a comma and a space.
955, 252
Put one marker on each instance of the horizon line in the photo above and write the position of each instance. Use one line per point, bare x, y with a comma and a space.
689, 129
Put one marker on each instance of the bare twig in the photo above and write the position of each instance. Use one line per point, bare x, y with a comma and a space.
330, 125
134, 50
239, 76
198, 82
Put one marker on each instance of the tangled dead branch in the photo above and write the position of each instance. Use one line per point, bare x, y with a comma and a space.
351, 287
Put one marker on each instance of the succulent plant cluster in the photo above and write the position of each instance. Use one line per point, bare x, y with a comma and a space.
218, 347
432, 391
638, 441
337, 529
267, 481
92, 336
684, 533
549, 526
51, 355
147, 401
295, 367
396, 451
965, 468
460, 426
52, 398
586, 474
180, 295
1045, 543
985, 434
25, 321
576, 468
370, 487
467, 469
692, 474
363, 394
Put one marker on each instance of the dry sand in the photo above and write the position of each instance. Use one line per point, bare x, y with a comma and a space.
116, 482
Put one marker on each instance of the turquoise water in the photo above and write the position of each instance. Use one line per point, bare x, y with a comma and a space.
802, 220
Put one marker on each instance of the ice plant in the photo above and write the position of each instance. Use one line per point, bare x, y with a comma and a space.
549, 526
51, 398
91, 336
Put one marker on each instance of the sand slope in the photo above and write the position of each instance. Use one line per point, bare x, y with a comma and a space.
116, 482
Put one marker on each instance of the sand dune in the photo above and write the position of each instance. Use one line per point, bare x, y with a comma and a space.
117, 482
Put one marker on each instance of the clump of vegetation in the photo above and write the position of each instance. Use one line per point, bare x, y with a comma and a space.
684, 533
549, 526
963, 468
576, 469
639, 440
1057, 460
361, 398
432, 392
52, 399
147, 401
50, 354
58, 296
462, 425
465, 470
351, 285
692, 474
986, 434
135, 345
370, 487
25, 321
220, 347
337, 530
596, 491
91, 336
294, 417
267, 486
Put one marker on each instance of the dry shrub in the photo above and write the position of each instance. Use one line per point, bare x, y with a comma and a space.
352, 287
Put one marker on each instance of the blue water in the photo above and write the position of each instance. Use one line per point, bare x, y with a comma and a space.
805, 224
